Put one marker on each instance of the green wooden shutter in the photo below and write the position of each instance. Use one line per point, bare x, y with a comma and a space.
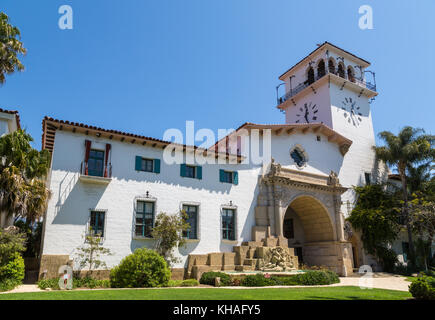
138, 163
156, 165
235, 177
221, 175
199, 172
182, 170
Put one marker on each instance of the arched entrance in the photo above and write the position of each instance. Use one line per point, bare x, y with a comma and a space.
302, 210
309, 229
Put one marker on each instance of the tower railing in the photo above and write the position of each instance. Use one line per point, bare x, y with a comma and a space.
301, 86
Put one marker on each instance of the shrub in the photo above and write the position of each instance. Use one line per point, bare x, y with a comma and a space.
423, 288
48, 283
189, 283
175, 283
91, 283
14, 269
143, 268
285, 281
7, 284
317, 277
209, 278
257, 280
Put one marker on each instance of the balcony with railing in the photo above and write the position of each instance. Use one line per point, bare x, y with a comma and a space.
95, 172
301, 86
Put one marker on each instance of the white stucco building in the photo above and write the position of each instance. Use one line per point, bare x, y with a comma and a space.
118, 182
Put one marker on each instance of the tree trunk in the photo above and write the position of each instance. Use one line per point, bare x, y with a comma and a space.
405, 213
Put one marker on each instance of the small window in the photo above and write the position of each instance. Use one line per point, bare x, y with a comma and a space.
321, 69
319, 138
97, 223
310, 76
96, 163
147, 165
228, 224
341, 71
298, 157
144, 219
192, 220
228, 176
367, 178
190, 171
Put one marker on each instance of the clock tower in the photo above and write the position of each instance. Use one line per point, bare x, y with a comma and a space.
329, 86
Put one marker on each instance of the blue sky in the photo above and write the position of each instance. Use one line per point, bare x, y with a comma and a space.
144, 66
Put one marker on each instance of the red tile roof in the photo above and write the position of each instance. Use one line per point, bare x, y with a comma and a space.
292, 127
50, 125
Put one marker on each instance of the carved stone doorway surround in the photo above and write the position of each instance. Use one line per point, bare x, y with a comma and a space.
317, 201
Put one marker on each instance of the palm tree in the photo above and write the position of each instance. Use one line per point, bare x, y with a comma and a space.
23, 193
410, 146
419, 178
10, 48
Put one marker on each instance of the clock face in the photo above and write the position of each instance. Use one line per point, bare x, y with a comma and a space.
351, 112
307, 114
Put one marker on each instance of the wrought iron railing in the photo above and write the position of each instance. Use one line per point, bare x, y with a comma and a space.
301, 86
105, 173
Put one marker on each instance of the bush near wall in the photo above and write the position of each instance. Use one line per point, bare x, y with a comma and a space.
183, 283
209, 278
142, 268
86, 282
12, 273
309, 278
423, 288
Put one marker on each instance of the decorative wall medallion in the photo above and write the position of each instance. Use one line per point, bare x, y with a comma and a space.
299, 156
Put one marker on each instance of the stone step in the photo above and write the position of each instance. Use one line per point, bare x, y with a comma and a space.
252, 243
250, 262
245, 268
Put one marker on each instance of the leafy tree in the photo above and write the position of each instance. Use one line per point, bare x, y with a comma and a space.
89, 254
10, 48
376, 215
23, 193
422, 221
168, 232
409, 147
11, 242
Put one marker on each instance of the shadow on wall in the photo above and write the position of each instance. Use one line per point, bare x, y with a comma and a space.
75, 201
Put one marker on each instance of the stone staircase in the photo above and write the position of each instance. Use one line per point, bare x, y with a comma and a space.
249, 256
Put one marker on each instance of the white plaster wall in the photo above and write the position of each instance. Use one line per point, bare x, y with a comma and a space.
72, 199
70, 204
4, 129
323, 156
360, 158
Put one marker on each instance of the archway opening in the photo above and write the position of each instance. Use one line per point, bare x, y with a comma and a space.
340, 71
321, 69
310, 75
309, 230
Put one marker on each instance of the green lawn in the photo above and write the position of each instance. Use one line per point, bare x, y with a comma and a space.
331, 293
